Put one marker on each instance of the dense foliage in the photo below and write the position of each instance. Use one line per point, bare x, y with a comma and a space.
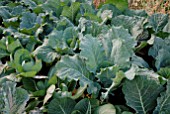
66, 57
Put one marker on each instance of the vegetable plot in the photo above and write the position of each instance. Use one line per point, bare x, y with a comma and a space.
67, 57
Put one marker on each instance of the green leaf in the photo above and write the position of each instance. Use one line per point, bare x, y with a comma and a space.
158, 21
105, 109
163, 102
39, 93
29, 3
64, 23
33, 66
160, 51
63, 87
4, 12
61, 106
52, 80
118, 45
157, 45
107, 74
120, 53
14, 45
121, 108
162, 60
2, 68
31, 44
11, 22
93, 52
16, 11
32, 105
86, 8
133, 12
20, 56
3, 50
91, 27
74, 68
142, 45
29, 84
92, 17
87, 11
120, 4
133, 24
139, 61
141, 93
164, 72
62, 94
115, 83
142, 37
12, 100
86, 106
58, 42
28, 74
46, 54
167, 27
24, 63
71, 11
29, 20
52, 6
70, 35
41, 85
83, 106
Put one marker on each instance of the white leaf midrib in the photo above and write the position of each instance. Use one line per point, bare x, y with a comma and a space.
140, 98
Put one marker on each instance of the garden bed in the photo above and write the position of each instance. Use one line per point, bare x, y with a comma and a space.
64, 57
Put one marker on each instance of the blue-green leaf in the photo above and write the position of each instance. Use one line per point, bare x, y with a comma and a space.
46, 54
58, 42
3, 50
133, 24
71, 11
163, 102
29, 3
93, 52
118, 45
107, 74
61, 106
54, 6
29, 20
160, 51
86, 106
141, 93
74, 68
158, 21
12, 100
4, 12
133, 12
